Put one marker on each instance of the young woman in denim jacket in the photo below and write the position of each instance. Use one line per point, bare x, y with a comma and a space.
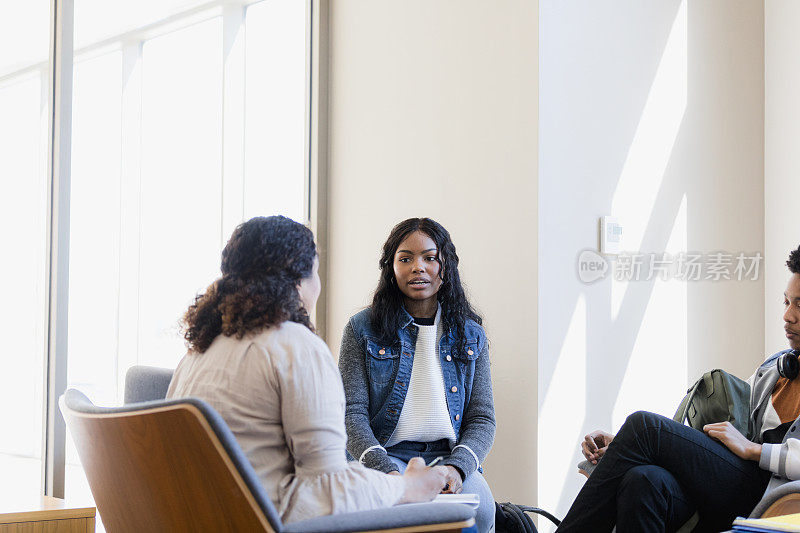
415, 366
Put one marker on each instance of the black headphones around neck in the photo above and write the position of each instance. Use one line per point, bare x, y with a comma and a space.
789, 365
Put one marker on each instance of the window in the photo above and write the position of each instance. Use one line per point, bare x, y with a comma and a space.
187, 118
24, 41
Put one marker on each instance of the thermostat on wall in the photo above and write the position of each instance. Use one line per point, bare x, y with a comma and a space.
610, 235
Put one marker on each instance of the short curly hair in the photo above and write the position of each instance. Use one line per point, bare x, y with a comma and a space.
794, 261
262, 265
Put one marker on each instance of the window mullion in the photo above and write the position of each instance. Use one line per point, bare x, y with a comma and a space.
233, 118
60, 149
317, 146
130, 210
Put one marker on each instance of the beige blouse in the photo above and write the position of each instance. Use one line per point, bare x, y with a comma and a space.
282, 397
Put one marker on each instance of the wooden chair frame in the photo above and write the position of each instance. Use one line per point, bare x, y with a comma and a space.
165, 469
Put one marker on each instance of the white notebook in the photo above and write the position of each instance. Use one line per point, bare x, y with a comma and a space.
468, 499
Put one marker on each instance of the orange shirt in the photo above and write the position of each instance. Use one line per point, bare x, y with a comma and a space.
786, 399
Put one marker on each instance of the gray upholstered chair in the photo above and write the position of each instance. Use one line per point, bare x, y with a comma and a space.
146, 383
174, 465
781, 500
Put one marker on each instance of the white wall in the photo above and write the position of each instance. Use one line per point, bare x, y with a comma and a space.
433, 112
782, 157
653, 112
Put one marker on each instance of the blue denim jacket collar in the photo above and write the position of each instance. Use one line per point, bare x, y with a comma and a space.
408, 325
408, 319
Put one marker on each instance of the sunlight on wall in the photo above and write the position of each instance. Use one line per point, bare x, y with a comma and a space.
661, 347
562, 412
651, 147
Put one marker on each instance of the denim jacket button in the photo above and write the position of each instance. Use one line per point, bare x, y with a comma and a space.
381, 351
470, 352
454, 389
449, 358
458, 417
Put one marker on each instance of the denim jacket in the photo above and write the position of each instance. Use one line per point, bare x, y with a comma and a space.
376, 373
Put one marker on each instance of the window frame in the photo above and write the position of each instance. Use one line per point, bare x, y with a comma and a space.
59, 151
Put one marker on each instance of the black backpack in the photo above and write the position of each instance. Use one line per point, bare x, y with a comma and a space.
511, 518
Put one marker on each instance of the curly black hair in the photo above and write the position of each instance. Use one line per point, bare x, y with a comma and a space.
262, 265
386, 312
794, 261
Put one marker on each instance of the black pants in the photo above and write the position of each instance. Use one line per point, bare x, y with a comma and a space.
656, 473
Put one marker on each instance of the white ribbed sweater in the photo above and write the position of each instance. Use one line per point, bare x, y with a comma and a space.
425, 417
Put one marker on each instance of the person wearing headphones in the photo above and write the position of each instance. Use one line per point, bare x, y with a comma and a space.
656, 473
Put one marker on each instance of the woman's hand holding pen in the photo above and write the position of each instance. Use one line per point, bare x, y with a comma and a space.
453, 481
453, 478
423, 483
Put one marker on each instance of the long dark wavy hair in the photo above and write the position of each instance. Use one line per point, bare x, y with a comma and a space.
386, 312
262, 265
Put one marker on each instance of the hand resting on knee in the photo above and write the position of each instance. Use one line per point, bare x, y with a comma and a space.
595, 444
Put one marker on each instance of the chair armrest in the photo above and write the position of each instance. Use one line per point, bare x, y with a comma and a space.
450, 516
772, 497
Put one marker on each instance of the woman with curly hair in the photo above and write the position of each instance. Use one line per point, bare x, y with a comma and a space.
415, 366
254, 357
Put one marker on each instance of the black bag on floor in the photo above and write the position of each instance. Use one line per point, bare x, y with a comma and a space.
511, 518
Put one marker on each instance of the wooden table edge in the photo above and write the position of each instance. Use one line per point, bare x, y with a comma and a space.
47, 514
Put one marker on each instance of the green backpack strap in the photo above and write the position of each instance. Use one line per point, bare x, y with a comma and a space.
708, 379
683, 408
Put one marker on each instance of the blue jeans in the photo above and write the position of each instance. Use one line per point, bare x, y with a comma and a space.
403, 452
656, 473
